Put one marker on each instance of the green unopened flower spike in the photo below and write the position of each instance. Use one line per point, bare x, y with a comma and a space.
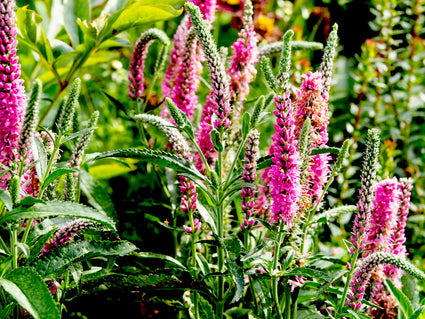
13, 186
328, 60
70, 106
303, 142
70, 187
268, 74
285, 61
79, 149
343, 154
31, 118
258, 108
174, 111
220, 93
59, 116
76, 120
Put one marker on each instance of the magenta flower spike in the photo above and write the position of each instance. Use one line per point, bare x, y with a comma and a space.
285, 187
186, 84
245, 54
310, 103
65, 234
383, 220
138, 58
398, 237
12, 93
248, 176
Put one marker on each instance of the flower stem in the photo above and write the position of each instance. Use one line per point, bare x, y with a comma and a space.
275, 290
347, 283
220, 253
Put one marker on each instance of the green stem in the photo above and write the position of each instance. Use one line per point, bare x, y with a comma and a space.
195, 294
275, 277
220, 253
14, 249
347, 283
229, 173
312, 211
204, 160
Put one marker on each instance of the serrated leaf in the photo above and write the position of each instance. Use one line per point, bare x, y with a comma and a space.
157, 157
233, 247
54, 263
169, 259
403, 301
29, 290
57, 208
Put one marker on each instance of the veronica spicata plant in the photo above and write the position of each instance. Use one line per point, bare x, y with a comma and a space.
234, 260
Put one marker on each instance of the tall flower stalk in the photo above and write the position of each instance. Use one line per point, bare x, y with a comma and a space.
12, 93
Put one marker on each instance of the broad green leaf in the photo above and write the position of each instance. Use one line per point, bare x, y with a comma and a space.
404, 302
57, 208
53, 264
29, 24
75, 9
5, 198
28, 289
59, 48
169, 259
109, 170
157, 157
233, 248
208, 215
139, 13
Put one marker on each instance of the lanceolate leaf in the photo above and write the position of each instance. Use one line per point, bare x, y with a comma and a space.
264, 162
308, 272
169, 259
139, 13
53, 264
404, 302
57, 208
56, 174
29, 290
157, 157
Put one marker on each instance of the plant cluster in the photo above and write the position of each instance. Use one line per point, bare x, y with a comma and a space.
247, 207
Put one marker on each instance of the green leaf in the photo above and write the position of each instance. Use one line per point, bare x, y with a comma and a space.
76, 134
75, 9
29, 290
57, 208
136, 14
209, 216
54, 263
233, 248
56, 174
169, 259
417, 313
29, 24
264, 162
5, 198
157, 157
40, 155
321, 150
404, 302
